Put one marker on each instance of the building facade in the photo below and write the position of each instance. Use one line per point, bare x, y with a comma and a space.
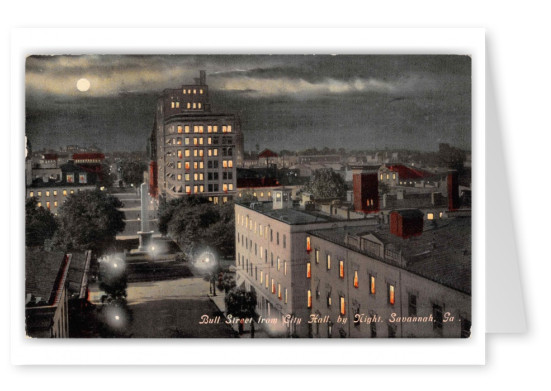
271, 258
196, 150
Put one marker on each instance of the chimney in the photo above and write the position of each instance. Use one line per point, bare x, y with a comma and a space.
406, 223
366, 188
202, 78
453, 190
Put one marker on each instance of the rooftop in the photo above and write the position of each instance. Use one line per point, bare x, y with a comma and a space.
291, 216
77, 277
43, 272
441, 254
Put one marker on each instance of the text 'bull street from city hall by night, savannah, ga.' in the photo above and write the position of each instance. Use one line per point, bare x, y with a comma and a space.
259, 196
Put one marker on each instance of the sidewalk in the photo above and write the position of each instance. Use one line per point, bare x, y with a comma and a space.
259, 332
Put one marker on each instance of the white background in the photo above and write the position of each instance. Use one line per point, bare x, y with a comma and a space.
517, 49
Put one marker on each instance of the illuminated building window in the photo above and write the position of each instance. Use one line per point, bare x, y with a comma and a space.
267, 278
356, 282
186, 165
230, 186
279, 292
224, 187
329, 301
269, 194
187, 177
229, 128
180, 129
194, 92
55, 204
372, 284
200, 164
47, 193
186, 153
209, 128
195, 152
171, 105
261, 194
285, 295
328, 259
201, 177
225, 163
261, 276
285, 268
342, 305
430, 216
179, 152
394, 176
55, 192
308, 270
199, 105
39, 204
48, 204
179, 164
189, 91
195, 141
201, 152
387, 176
72, 192
308, 248
196, 176
184, 92
188, 105
194, 105
186, 141
224, 129
195, 188
179, 177
215, 151
209, 153
381, 177
391, 298
186, 128
309, 298
201, 129
215, 129
209, 140
273, 286
317, 256
441, 214
188, 189
230, 163
31, 194
278, 264
341, 269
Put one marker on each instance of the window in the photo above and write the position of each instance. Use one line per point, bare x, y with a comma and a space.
329, 301
279, 296
267, 278
31, 194
188, 189
308, 248
186, 128
48, 204
179, 128
273, 286
356, 283
329, 329
55, 204
39, 204
317, 256
70, 178
372, 284
179, 152
284, 241
278, 264
261, 276
284, 268
286, 299
55, 193
309, 298
342, 305
391, 298
412, 305
179, 164
179, 177
308, 270
430, 216
341, 269
47, 193
393, 175
328, 259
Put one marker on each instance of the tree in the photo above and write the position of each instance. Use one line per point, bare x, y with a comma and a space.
40, 223
106, 178
132, 171
89, 220
196, 223
240, 303
326, 183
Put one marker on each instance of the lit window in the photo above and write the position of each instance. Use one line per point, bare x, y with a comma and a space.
179, 152
39, 204
273, 286
31, 194
187, 153
317, 256
230, 186
194, 105
55, 192
343, 306
279, 291
261, 276
329, 302
387, 176
356, 283
179, 177
308, 248
224, 129
72, 192
341, 269
209, 129
171, 105
309, 298
267, 278
55, 204
215, 151
48, 204
189, 91
328, 257
179, 164
189, 105
199, 105
441, 214
230, 163
394, 176
215, 129
278, 264
391, 294
194, 91
201, 152
209, 140
184, 92
195, 188
430, 216
201, 129
285, 295
179, 128
229, 128
47, 193
308, 270
188, 189
201, 91
186, 128
372, 284
381, 176
187, 177
285, 267
186, 165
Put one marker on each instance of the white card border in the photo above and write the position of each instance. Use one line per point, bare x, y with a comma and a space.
246, 41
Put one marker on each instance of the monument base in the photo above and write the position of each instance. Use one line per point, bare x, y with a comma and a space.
145, 240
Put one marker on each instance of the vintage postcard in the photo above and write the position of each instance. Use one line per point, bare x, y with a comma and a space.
248, 196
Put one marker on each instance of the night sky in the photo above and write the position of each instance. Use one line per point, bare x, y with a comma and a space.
284, 102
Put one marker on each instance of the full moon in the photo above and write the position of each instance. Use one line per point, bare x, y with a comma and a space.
83, 85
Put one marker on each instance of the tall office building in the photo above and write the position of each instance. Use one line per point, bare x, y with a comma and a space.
193, 149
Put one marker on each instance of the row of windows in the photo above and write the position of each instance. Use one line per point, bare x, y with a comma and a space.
196, 141
211, 187
275, 287
48, 204
200, 128
261, 193
199, 152
199, 176
189, 105
387, 176
54, 192
193, 91
260, 230
262, 254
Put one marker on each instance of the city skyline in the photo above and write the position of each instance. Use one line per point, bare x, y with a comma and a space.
284, 102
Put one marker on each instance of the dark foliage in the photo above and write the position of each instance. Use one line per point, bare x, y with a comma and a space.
132, 171
40, 223
240, 303
326, 183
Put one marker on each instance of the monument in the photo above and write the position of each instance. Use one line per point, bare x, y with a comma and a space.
145, 234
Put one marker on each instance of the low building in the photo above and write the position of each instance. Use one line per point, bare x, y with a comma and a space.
46, 297
406, 281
